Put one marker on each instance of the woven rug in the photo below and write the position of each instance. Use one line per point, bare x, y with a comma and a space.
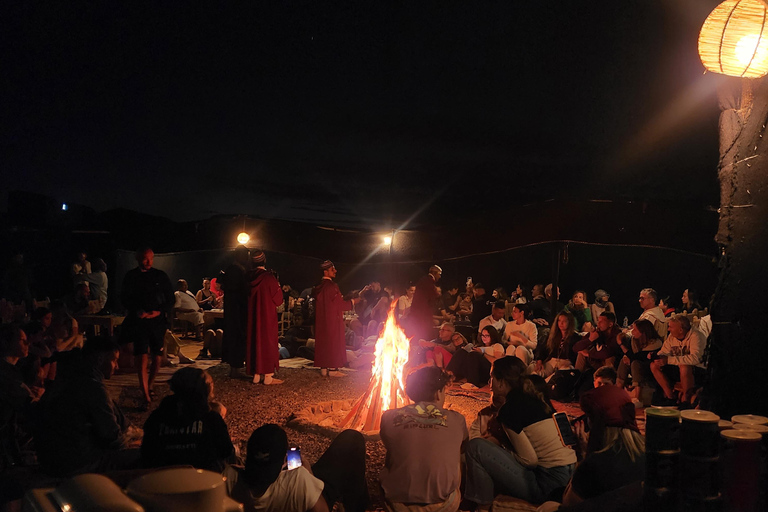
483, 394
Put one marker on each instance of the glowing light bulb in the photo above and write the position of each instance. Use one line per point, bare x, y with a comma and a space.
243, 238
387, 240
749, 50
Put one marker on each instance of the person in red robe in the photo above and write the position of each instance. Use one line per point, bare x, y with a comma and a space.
423, 305
261, 356
330, 345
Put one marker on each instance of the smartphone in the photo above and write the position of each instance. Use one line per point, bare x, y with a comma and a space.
294, 458
567, 435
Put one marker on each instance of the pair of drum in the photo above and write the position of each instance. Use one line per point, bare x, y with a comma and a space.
696, 461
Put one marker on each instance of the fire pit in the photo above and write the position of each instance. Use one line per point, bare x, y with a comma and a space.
386, 391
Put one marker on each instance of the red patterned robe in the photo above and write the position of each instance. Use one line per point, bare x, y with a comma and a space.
330, 345
262, 354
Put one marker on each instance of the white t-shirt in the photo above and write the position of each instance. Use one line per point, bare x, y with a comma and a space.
527, 329
185, 300
497, 324
295, 490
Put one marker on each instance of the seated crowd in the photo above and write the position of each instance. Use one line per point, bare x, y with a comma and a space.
54, 400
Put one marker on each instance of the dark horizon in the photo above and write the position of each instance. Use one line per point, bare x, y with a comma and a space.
358, 115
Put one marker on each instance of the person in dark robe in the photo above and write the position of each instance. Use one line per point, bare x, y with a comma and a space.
330, 345
235, 313
423, 305
262, 355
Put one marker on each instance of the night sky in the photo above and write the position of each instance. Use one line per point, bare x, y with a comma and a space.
357, 113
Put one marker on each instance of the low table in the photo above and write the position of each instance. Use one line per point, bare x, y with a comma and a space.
109, 322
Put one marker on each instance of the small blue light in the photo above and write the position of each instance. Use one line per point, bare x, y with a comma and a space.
64, 207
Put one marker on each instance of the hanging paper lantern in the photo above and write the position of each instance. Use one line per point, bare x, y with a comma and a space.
734, 39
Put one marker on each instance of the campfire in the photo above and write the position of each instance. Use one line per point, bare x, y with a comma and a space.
387, 388
385, 391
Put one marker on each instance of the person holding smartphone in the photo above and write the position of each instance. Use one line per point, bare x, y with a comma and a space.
273, 481
613, 450
538, 463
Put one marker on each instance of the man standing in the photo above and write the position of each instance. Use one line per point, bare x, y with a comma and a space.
235, 313
649, 301
422, 308
330, 345
147, 294
261, 355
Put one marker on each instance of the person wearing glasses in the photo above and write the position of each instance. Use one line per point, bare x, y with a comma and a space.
434, 351
649, 300
475, 365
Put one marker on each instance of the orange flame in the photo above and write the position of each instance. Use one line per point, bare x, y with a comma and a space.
387, 388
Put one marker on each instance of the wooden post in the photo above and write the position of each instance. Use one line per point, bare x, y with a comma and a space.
739, 348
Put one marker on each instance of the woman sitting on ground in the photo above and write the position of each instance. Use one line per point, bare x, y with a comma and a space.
556, 353
268, 484
475, 366
188, 427
538, 462
638, 354
424, 443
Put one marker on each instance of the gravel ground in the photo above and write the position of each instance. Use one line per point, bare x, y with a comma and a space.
250, 406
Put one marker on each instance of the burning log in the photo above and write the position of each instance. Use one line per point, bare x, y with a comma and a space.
387, 388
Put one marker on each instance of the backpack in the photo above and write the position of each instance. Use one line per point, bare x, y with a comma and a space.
562, 385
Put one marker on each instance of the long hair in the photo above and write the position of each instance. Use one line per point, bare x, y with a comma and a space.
571, 304
632, 441
495, 336
647, 331
537, 385
693, 301
511, 370
556, 338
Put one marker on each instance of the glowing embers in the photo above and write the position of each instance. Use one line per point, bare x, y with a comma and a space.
387, 388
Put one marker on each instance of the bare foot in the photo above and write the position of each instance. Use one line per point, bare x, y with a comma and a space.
336, 373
